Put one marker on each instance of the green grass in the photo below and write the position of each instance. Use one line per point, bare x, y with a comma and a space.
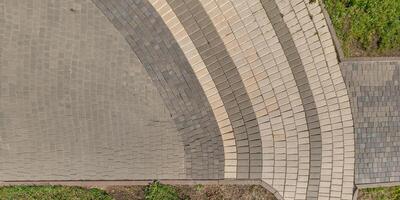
51, 193
158, 191
366, 27
380, 193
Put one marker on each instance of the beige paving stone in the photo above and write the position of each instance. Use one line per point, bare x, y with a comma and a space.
299, 10
276, 100
194, 58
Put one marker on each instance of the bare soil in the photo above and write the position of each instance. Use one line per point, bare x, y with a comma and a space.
198, 192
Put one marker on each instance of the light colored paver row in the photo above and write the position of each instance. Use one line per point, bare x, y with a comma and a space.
253, 90
237, 59
206, 82
313, 193
313, 124
331, 99
237, 20
236, 33
75, 101
307, 98
347, 139
222, 69
170, 71
222, 22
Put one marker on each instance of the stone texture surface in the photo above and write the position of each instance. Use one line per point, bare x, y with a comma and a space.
253, 90
75, 101
155, 46
207, 83
375, 102
307, 99
228, 82
251, 42
311, 36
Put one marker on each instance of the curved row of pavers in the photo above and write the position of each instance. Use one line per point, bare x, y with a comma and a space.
270, 75
225, 75
312, 38
173, 76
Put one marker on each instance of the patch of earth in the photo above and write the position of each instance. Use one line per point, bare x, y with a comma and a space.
198, 192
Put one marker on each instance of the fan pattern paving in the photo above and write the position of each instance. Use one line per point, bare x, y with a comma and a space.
175, 89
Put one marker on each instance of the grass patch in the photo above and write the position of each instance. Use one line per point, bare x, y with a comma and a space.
380, 193
153, 191
51, 193
157, 191
367, 27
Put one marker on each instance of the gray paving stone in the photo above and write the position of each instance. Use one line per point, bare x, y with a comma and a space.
75, 102
375, 102
164, 58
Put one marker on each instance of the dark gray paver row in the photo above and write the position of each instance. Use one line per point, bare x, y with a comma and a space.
166, 64
286, 40
375, 101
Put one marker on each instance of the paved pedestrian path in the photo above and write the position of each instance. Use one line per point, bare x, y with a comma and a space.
75, 102
375, 99
175, 89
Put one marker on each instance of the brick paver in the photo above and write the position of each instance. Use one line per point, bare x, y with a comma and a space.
184, 89
375, 102
76, 102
